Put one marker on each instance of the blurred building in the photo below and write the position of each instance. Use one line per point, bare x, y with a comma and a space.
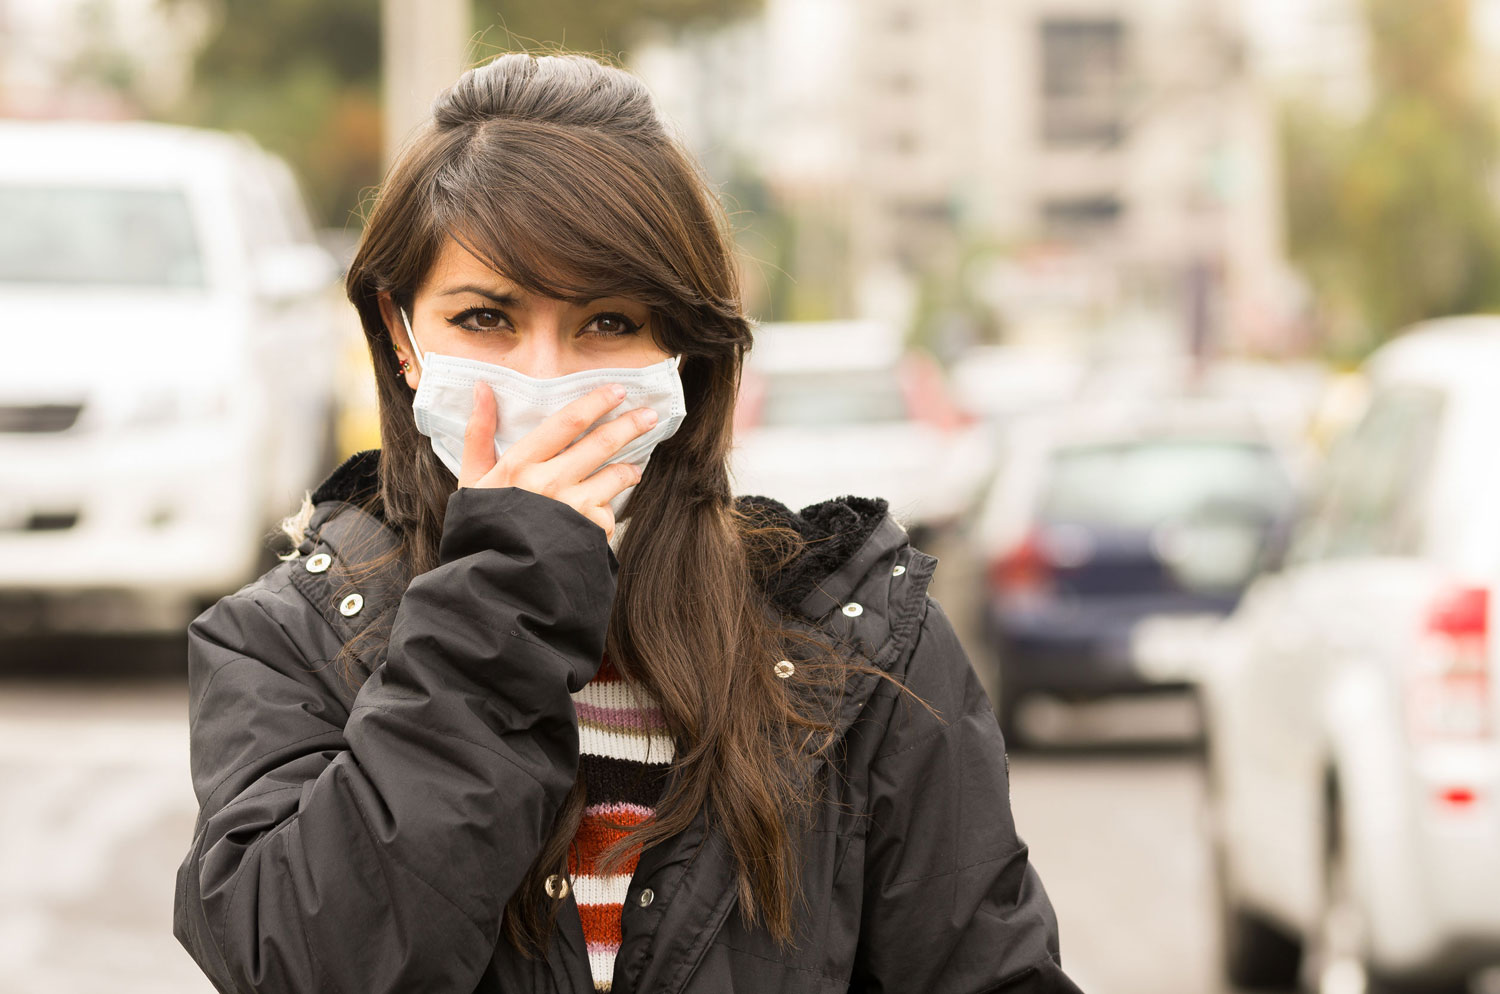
1112, 157
1117, 152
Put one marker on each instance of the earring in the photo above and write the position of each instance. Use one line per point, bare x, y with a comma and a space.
403, 368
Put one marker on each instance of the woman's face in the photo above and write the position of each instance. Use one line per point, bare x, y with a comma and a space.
464, 308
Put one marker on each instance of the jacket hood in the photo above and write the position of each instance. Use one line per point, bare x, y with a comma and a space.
858, 578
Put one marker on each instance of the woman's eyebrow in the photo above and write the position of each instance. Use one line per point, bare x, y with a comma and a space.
508, 299
511, 299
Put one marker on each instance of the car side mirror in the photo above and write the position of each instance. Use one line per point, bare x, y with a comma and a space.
293, 271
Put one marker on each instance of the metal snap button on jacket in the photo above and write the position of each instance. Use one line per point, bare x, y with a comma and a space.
318, 563
647, 896
897, 570
785, 668
557, 886
853, 610
350, 605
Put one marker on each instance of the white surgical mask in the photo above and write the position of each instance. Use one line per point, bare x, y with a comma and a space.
445, 400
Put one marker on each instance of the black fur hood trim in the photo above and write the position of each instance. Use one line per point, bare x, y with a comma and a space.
832, 531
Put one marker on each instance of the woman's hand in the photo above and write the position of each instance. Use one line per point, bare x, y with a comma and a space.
544, 462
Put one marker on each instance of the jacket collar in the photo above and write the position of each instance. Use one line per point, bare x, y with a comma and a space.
859, 581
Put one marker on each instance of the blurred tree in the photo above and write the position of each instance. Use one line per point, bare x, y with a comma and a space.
776, 238
1393, 217
303, 76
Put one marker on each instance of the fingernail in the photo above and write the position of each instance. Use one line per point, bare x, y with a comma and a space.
646, 416
617, 390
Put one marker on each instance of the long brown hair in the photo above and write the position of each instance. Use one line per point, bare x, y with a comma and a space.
558, 172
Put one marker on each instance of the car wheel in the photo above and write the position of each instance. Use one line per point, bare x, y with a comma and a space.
1338, 957
1375, 983
1257, 955
1336, 960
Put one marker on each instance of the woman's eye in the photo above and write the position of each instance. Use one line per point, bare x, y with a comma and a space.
479, 319
612, 324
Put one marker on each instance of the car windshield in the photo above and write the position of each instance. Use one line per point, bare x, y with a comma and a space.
80, 236
1143, 484
836, 398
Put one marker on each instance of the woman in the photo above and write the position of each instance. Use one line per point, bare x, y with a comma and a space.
454, 743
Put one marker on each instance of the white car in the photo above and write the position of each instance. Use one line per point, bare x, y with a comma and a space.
167, 378
1353, 700
835, 408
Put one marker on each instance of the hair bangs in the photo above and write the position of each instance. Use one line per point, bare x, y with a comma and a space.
520, 207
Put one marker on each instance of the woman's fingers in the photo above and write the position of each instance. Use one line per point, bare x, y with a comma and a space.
607, 484
591, 497
547, 460
602, 444
562, 426
479, 438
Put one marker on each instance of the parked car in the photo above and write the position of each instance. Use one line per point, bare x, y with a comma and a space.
1115, 537
841, 407
1351, 701
167, 389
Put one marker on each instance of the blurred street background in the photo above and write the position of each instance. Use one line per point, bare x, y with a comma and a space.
1171, 326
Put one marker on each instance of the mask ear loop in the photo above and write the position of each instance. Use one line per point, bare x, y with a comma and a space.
411, 338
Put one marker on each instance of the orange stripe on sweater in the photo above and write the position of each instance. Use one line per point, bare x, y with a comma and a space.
597, 833
601, 924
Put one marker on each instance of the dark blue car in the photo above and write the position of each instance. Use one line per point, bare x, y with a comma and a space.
1115, 544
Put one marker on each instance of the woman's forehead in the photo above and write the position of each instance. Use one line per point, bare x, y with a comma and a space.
458, 264
458, 271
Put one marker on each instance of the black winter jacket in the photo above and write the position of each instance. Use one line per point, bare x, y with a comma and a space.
363, 841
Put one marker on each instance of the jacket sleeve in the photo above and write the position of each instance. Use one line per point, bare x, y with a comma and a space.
374, 849
951, 901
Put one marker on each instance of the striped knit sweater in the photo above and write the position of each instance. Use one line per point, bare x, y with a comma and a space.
624, 756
